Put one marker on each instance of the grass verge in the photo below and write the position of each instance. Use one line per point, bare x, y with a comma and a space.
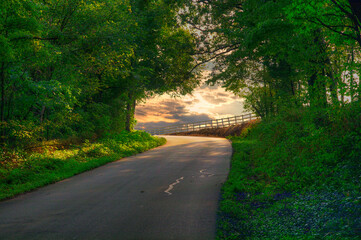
296, 176
22, 172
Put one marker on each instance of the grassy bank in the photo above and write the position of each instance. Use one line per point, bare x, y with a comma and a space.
296, 176
22, 171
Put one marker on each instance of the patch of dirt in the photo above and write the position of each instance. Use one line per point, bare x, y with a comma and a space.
234, 130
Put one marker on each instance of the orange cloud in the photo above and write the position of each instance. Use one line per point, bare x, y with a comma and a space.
205, 103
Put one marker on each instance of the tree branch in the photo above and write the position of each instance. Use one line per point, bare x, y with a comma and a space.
331, 28
210, 59
353, 17
35, 38
341, 8
198, 28
217, 49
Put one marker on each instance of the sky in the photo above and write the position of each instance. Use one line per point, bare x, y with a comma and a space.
205, 103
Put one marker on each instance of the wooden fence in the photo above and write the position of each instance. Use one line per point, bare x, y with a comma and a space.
217, 123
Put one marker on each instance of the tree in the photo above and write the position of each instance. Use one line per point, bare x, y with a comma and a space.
77, 67
339, 22
162, 58
266, 52
18, 39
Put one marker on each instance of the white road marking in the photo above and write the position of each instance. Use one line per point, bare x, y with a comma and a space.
208, 174
172, 185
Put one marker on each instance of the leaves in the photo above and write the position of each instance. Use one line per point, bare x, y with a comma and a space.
62, 61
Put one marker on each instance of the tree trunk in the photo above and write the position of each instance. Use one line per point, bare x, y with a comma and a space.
2, 104
42, 114
356, 9
355, 17
128, 118
333, 83
257, 110
317, 91
317, 86
333, 90
10, 103
311, 88
130, 112
322, 91
342, 94
352, 91
2, 86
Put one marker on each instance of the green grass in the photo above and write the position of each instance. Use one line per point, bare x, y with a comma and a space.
21, 172
295, 176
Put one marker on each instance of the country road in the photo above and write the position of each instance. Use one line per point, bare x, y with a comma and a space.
170, 192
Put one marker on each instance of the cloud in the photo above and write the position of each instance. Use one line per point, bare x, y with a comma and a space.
223, 94
236, 108
205, 103
166, 112
215, 95
206, 86
218, 98
184, 119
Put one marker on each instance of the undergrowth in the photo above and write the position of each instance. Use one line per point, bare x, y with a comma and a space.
22, 171
296, 176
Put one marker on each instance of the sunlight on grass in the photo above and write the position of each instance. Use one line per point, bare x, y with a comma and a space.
21, 172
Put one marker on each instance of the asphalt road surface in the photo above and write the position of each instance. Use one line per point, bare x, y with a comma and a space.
170, 192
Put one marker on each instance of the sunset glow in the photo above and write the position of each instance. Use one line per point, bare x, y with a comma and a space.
205, 103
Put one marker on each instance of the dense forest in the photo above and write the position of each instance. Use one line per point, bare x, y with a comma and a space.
78, 67
75, 67
282, 54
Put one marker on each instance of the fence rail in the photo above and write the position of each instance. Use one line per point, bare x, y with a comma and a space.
217, 123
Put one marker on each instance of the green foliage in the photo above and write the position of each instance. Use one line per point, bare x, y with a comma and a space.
281, 54
77, 68
21, 172
295, 176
